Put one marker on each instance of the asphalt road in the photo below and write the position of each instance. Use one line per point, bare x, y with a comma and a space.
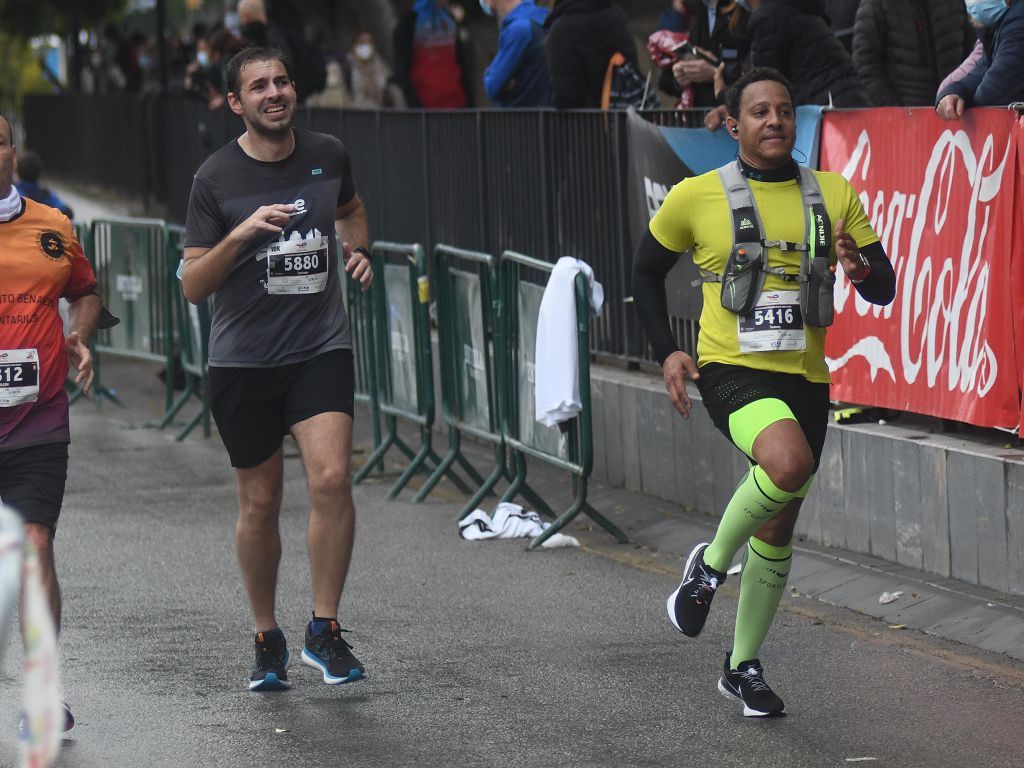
479, 654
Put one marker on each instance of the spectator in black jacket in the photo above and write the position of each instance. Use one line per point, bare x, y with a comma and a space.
582, 37
725, 38
843, 13
994, 72
795, 37
903, 49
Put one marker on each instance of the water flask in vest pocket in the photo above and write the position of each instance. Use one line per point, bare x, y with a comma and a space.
816, 283
743, 278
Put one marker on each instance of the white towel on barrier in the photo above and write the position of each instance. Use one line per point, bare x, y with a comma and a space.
510, 521
557, 375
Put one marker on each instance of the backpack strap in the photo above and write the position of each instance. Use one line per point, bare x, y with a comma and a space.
818, 224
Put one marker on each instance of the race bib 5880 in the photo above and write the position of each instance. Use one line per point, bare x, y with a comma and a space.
297, 266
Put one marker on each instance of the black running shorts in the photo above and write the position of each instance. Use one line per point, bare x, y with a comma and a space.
32, 482
727, 388
256, 407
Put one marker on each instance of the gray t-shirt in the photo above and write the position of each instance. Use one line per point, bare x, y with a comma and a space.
282, 300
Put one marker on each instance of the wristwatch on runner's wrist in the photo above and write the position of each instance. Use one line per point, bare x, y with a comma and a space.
867, 269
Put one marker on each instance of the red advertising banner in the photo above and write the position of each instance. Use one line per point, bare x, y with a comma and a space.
1017, 263
942, 197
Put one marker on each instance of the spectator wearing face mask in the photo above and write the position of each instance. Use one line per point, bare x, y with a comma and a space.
370, 76
994, 72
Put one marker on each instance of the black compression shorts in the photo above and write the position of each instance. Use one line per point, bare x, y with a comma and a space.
726, 389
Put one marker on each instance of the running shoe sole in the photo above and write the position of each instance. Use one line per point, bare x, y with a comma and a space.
670, 604
747, 711
272, 682
312, 661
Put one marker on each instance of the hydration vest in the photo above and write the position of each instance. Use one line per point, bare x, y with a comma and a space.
747, 266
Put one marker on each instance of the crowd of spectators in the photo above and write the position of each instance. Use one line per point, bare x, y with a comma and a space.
950, 54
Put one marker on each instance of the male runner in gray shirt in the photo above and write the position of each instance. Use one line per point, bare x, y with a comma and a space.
260, 244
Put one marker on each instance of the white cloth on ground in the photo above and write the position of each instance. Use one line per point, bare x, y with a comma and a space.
510, 521
556, 364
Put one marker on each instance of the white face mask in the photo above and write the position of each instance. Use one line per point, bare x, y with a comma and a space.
363, 51
10, 206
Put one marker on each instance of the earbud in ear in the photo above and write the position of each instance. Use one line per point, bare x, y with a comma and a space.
735, 130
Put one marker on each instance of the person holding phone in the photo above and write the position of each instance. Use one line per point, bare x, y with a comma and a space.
717, 38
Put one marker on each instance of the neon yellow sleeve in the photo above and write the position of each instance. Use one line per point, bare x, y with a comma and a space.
857, 223
671, 225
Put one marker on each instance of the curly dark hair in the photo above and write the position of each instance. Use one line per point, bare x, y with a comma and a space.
756, 75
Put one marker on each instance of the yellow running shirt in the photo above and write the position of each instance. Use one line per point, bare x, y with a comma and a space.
696, 215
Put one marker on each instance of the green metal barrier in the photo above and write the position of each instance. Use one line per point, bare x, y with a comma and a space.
359, 305
405, 369
130, 259
524, 436
465, 289
191, 325
98, 391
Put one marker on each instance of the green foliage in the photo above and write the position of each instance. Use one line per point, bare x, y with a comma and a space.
20, 72
27, 18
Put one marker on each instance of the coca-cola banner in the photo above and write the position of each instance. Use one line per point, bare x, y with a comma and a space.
943, 198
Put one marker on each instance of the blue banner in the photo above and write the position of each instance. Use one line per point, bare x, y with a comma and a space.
702, 151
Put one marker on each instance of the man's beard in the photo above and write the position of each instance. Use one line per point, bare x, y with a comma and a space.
274, 131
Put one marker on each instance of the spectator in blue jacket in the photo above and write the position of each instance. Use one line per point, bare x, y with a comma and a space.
518, 76
993, 75
30, 168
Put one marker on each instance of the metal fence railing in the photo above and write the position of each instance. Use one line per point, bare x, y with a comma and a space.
405, 379
543, 182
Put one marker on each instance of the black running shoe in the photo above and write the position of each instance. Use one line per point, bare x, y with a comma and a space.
747, 686
270, 672
327, 651
688, 606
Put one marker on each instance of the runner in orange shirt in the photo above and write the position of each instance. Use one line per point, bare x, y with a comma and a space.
41, 262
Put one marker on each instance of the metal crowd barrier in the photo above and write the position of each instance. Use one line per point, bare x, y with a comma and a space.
130, 259
523, 435
191, 324
465, 290
359, 305
405, 370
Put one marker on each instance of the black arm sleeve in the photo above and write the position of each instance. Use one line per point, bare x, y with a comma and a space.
880, 286
651, 263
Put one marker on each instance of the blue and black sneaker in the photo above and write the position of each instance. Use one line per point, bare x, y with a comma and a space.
327, 651
270, 672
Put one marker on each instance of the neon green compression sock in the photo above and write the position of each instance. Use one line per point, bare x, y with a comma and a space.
765, 571
754, 503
